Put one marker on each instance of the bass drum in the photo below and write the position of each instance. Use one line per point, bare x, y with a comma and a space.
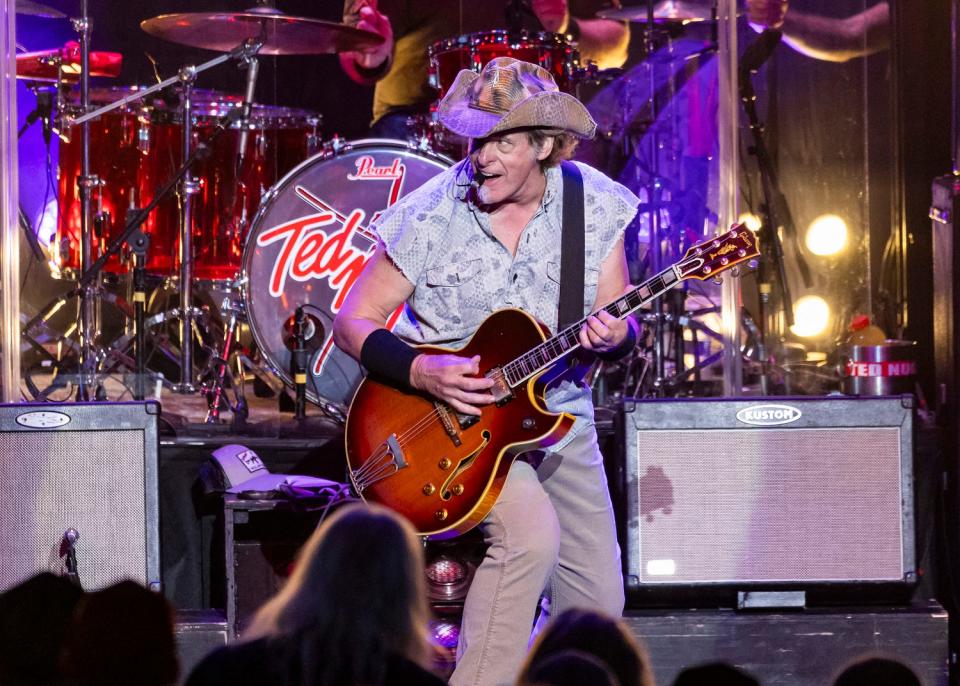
308, 243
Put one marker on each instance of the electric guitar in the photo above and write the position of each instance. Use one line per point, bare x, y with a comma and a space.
444, 470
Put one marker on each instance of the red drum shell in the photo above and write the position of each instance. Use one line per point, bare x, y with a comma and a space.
309, 242
135, 150
472, 51
120, 156
278, 139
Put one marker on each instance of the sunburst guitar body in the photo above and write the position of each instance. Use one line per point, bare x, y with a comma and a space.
444, 470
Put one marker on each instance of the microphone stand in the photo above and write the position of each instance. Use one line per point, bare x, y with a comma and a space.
68, 550
774, 204
299, 361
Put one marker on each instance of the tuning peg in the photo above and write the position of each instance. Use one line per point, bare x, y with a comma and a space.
735, 272
718, 280
753, 264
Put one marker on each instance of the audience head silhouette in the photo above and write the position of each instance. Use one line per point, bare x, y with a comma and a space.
121, 635
356, 596
34, 616
570, 668
714, 673
605, 638
877, 671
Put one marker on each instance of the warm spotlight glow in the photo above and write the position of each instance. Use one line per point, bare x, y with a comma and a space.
751, 220
827, 235
811, 315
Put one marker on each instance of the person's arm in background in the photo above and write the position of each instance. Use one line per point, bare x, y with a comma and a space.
825, 38
367, 66
602, 40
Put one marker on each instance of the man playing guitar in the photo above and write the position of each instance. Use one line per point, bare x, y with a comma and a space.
483, 236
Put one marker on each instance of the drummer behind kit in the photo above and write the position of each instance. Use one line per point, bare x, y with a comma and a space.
265, 212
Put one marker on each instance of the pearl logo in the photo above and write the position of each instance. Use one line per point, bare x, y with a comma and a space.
768, 415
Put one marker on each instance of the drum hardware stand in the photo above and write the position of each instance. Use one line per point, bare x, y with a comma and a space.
667, 314
133, 235
189, 187
220, 363
655, 191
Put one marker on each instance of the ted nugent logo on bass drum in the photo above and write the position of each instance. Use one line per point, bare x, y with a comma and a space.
309, 242
444, 470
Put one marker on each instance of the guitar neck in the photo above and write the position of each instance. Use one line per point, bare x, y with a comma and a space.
566, 341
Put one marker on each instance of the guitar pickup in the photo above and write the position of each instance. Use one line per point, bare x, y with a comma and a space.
501, 391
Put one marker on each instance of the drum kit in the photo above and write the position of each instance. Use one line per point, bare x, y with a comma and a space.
202, 191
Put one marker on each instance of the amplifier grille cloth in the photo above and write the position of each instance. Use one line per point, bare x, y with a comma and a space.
92, 481
770, 505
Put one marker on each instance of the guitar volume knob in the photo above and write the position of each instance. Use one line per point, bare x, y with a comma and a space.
445, 463
441, 515
458, 489
429, 489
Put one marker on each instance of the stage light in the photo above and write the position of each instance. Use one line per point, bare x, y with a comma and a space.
811, 316
444, 635
827, 235
448, 578
751, 220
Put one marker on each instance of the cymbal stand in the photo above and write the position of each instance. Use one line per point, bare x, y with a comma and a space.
86, 183
188, 188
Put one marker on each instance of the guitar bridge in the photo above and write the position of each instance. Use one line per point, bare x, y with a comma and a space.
386, 461
444, 413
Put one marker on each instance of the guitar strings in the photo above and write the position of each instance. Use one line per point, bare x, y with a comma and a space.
374, 468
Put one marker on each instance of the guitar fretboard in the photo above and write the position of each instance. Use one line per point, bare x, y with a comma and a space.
544, 355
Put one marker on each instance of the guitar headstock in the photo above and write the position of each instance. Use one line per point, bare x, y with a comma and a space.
710, 258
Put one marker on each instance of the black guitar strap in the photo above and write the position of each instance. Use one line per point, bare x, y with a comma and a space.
572, 258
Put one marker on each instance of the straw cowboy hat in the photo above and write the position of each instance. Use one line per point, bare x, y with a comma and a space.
510, 94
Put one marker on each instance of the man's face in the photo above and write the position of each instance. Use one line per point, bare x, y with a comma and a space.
509, 166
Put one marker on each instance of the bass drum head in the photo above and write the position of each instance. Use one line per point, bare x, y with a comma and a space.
309, 242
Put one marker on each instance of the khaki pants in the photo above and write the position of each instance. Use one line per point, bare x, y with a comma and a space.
552, 527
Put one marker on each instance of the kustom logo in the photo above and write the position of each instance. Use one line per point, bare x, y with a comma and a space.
43, 419
768, 415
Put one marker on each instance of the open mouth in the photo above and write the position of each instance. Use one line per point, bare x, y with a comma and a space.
483, 177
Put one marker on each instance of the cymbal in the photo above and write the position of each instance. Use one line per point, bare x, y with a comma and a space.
42, 64
281, 34
35, 9
664, 12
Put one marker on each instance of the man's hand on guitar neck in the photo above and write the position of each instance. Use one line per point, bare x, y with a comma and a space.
448, 377
603, 332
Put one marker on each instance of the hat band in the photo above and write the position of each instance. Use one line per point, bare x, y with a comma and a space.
487, 108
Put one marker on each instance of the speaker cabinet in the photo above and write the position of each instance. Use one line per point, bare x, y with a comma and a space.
91, 467
781, 491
